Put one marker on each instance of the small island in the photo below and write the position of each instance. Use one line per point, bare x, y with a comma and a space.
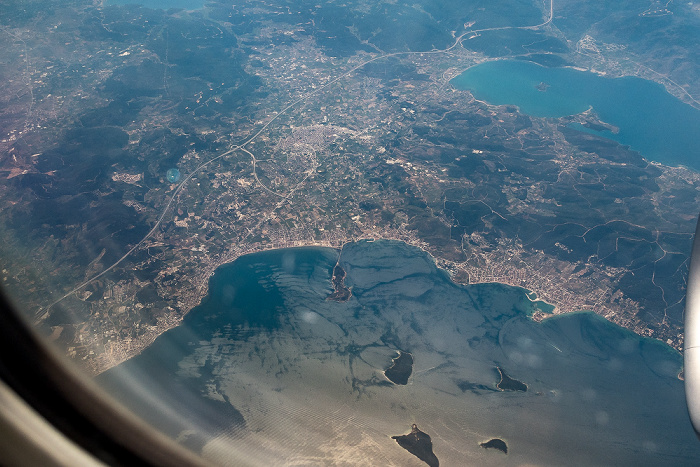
341, 293
542, 87
509, 384
400, 369
497, 444
418, 444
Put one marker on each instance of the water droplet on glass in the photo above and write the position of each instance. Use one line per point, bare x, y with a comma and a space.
173, 175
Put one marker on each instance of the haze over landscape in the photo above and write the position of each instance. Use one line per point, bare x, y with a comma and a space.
496, 204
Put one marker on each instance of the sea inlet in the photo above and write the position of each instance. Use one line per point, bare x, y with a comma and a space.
267, 371
650, 120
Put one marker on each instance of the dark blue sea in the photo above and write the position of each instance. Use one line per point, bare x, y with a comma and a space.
267, 371
651, 121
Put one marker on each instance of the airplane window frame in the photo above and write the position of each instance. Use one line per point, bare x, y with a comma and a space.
74, 405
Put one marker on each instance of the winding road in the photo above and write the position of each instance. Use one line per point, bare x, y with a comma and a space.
43, 312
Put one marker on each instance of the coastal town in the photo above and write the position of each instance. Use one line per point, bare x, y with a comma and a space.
321, 149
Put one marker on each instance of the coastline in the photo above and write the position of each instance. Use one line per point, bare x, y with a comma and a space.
118, 352
311, 359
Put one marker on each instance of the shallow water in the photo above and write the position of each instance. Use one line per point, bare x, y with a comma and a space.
269, 372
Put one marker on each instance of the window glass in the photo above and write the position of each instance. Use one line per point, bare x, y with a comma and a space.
376, 233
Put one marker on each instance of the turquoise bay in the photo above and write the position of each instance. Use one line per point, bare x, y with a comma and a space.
651, 121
